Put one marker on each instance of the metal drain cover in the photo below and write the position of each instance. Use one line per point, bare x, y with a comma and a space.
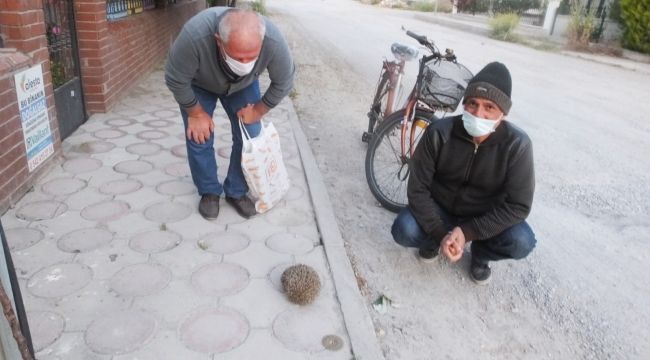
332, 342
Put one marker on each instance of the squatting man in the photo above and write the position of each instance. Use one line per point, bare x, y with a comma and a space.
219, 55
472, 180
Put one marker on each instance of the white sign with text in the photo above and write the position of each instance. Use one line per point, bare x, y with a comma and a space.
30, 91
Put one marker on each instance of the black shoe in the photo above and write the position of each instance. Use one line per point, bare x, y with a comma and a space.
480, 272
427, 255
244, 206
209, 206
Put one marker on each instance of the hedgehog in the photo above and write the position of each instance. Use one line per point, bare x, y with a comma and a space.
301, 284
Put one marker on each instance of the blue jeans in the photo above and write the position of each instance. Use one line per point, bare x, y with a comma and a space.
203, 164
515, 242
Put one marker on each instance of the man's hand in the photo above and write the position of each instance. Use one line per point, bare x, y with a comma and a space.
199, 124
252, 113
452, 245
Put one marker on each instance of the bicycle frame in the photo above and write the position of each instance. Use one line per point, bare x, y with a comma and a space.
411, 106
395, 70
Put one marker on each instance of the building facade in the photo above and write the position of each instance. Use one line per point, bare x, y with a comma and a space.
90, 53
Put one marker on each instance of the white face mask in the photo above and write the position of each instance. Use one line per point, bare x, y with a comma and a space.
237, 67
476, 126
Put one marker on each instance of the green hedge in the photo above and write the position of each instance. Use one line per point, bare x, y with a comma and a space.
498, 6
636, 22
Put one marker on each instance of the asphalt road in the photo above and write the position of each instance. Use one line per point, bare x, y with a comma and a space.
583, 293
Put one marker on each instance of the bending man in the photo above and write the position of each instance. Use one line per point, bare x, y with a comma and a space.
219, 55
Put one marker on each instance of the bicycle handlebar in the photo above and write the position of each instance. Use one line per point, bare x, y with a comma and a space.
420, 38
449, 53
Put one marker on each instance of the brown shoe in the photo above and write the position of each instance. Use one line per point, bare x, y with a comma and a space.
209, 206
244, 206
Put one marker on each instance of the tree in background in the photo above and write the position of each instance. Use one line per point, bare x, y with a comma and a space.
636, 24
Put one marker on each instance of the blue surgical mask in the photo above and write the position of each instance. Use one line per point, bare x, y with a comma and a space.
476, 126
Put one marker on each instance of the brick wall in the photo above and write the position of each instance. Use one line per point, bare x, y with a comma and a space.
23, 29
113, 55
117, 54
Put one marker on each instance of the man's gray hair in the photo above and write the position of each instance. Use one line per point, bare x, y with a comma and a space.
226, 24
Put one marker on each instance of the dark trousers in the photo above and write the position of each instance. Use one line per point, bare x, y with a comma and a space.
203, 164
515, 242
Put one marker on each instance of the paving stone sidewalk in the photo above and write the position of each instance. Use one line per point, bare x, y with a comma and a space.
115, 262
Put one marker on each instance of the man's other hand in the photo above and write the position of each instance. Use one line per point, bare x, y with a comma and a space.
452, 244
199, 125
252, 113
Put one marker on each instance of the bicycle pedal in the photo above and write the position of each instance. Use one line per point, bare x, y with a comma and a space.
365, 137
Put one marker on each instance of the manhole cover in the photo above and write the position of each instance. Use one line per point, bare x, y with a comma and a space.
332, 342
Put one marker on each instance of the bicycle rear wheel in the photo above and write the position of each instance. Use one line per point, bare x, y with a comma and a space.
387, 170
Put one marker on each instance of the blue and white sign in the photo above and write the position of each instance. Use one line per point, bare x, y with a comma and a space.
30, 91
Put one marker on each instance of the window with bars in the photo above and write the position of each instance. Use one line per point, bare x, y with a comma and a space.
118, 9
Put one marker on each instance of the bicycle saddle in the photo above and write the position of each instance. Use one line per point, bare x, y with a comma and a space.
404, 52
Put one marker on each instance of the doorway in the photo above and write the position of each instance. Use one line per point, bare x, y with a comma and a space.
64, 65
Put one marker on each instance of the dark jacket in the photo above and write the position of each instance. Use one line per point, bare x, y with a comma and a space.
489, 186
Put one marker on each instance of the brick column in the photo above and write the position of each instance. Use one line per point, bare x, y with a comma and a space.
92, 35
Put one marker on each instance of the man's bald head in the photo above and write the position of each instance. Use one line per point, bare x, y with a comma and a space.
242, 26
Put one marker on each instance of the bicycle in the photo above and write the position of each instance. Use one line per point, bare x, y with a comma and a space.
388, 86
439, 87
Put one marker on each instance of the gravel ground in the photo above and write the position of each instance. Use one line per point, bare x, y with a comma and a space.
583, 293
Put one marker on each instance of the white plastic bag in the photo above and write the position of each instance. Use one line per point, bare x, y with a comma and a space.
263, 166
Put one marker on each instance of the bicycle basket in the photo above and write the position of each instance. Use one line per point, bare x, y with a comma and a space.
443, 84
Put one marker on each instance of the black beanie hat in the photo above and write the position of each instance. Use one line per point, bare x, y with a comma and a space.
493, 83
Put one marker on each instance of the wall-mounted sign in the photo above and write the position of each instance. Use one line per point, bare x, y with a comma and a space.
30, 91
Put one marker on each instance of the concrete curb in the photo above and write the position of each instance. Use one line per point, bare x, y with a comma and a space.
355, 313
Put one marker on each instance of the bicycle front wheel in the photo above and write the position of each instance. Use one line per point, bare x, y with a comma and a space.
387, 169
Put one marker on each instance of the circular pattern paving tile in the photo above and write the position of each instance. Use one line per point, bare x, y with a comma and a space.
143, 148
286, 216
290, 243
220, 279
130, 111
120, 187
94, 147
84, 240
45, 327
151, 134
22, 238
214, 330
155, 241
224, 152
176, 188
141, 280
105, 210
166, 212
295, 192
224, 242
226, 138
119, 122
41, 210
120, 333
63, 186
180, 151
133, 167
166, 114
180, 169
59, 280
294, 172
81, 165
158, 123
275, 276
107, 134
303, 329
